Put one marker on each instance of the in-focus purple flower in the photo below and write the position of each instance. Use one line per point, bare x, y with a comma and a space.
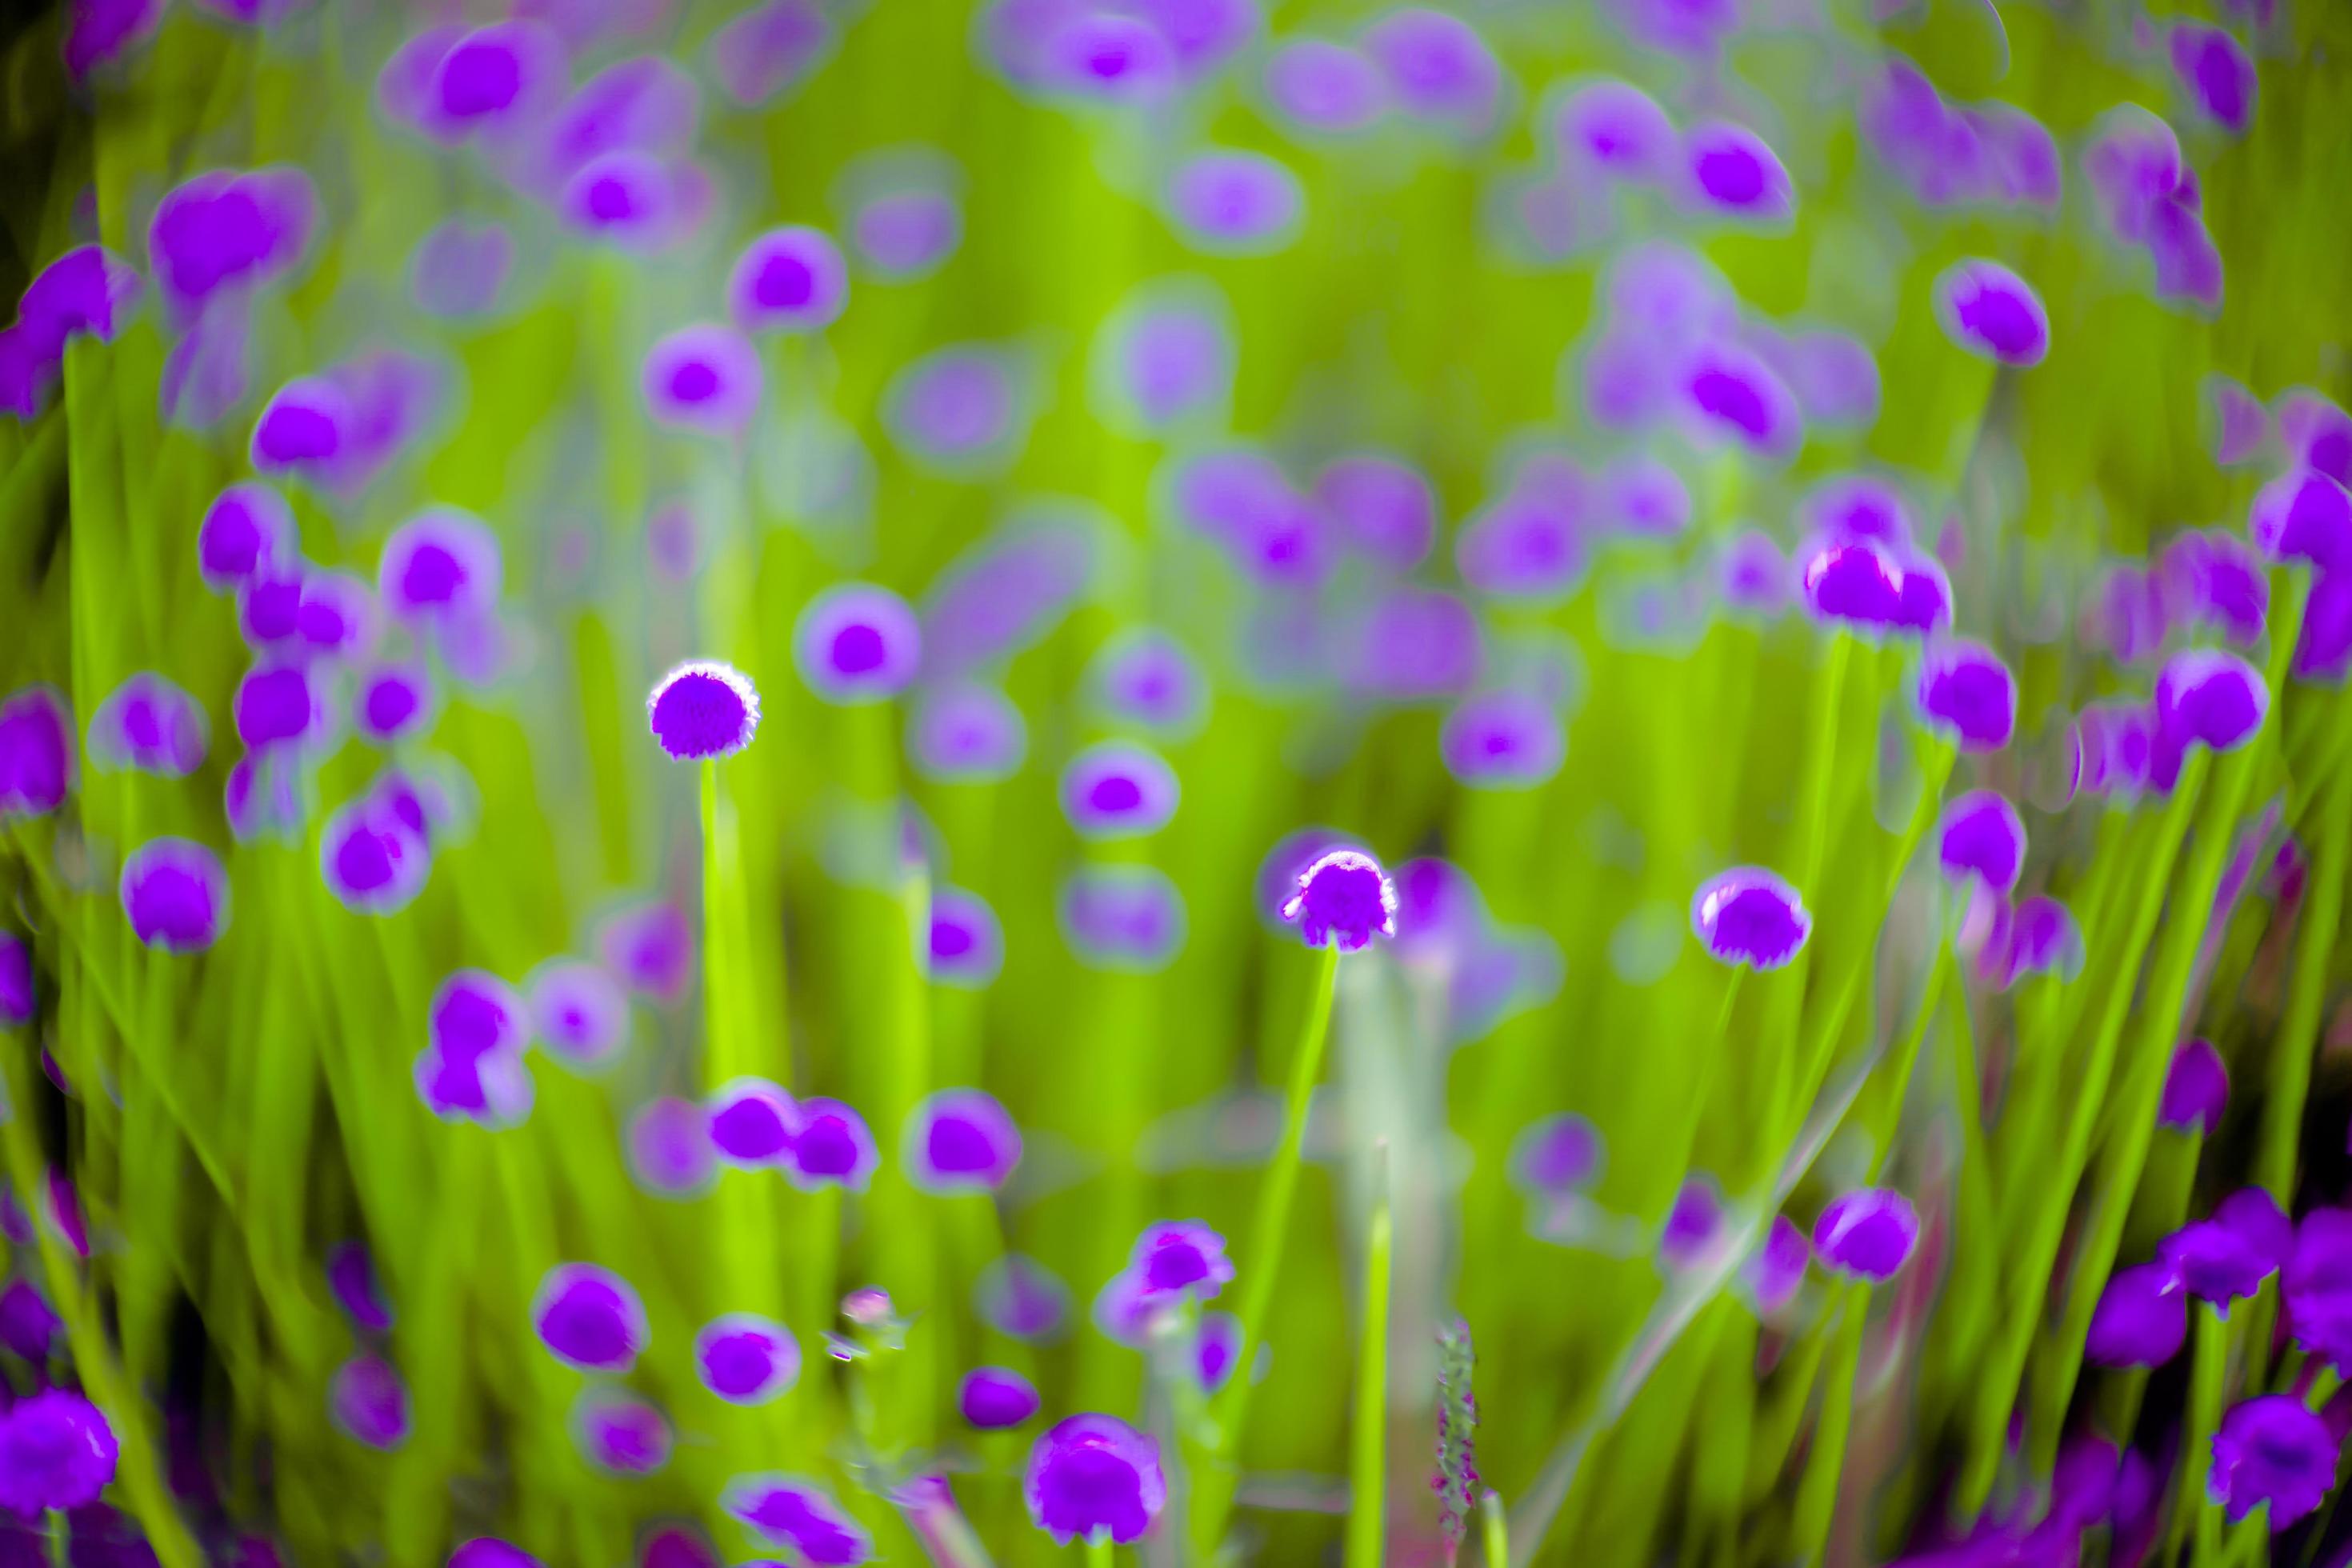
1230, 202
1439, 69
752, 1123
369, 1403
1966, 692
56, 1451
670, 1148
991, 1398
1867, 1234
351, 1279
2215, 71
960, 410
1613, 129
1556, 1155
489, 1551
148, 724
1502, 739
1747, 915
590, 1318
649, 948
2196, 1088
2208, 698
745, 1359
460, 267
2273, 1453
1179, 1260
1694, 1224
1775, 1271
2141, 1318
439, 569
1315, 86
2227, 1257
36, 751
800, 1515
87, 290
1126, 919
857, 643
1729, 170
176, 894
961, 1141
788, 279
831, 1149
703, 711
1981, 836
225, 230
17, 996
1343, 901
28, 1329
1093, 1477
2303, 515
1022, 1298
766, 50
1992, 313
1117, 789
619, 1433
704, 377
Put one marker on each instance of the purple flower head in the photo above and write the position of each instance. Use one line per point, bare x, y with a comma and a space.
372, 861
2215, 71
302, 429
2205, 697
1439, 69
493, 1090
1384, 507
2273, 1453
2317, 1285
1992, 313
1022, 1298
909, 225
1966, 692
1694, 1224
1343, 900
475, 1014
620, 1433
489, 1551
1925, 605
1981, 836
1612, 129
856, 643
635, 200
148, 724
1775, 1271
459, 268
492, 79
1729, 170
2196, 1088
831, 1148
1503, 739
1118, 789
247, 530
1094, 1476
647, 103
747, 1360
1321, 88
100, 32
36, 751
967, 732
1127, 918
87, 289
2238, 424
31, 359
1165, 358
1731, 395
767, 51
276, 705
788, 279
589, 1318
703, 711
1747, 915
1179, 1260
670, 1148
176, 895
2141, 1318
351, 1279
369, 1403
2220, 580
393, 702
2316, 432
28, 1329
16, 997
1644, 498
2036, 937
1528, 545
2323, 648
991, 1398
752, 1123
799, 1515
1867, 1234
1856, 586
963, 943
1555, 1156
961, 1141
1230, 202
439, 569
2303, 516
649, 947
2227, 1256
1105, 55
56, 1451
960, 411
1147, 677
222, 230
704, 377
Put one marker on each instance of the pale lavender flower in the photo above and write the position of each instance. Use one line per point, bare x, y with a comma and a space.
148, 724
1022, 1298
966, 732
1440, 70
1232, 203
670, 1147
1122, 918
368, 1402
619, 1433
1323, 88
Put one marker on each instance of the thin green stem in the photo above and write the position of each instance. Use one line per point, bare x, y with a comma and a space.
1495, 1531
1367, 1502
1099, 1552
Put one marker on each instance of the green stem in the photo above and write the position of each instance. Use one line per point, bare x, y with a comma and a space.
1099, 1552
1496, 1529
1368, 1504
2190, 1508
1817, 1494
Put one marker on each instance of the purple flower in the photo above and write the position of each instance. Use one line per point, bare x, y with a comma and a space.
2216, 72
1556, 1155
752, 1123
56, 1451
966, 732
703, 711
635, 200
2037, 936
1343, 901
36, 751
1127, 918
351, 1278
176, 895
2239, 425
439, 569
831, 1148
370, 860
1384, 507
1867, 1234
589, 1318
16, 996
2270, 1452
787, 1511
1775, 1271
704, 377
1022, 1298
2141, 1318
1101, 54
222, 230
961, 1141
276, 705
87, 290
2316, 432
31, 359
906, 233
489, 1551
1323, 88
1179, 1260
1981, 836
248, 530
1992, 313
1747, 915
649, 948
28, 1329
962, 944
1094, 1476
1644, 498
491, 79
1147, 677
368, 1402
2196, 1088
2323, 648
1165, 358
747, 1360
302, 429
2204, 697
1613, 129
788, 279
1118, 789
1694, 1224
99, 32
2303, 515
1229, 203
1528, 545
1730, 393
1728, 169
1965, 691
393, 702
148, 724
959, 410
2227, 1256
670, 1148
1503, 739
1439, 70
2317, 1285
857, 643
769, 49
620, 1433
991, 1398
1856, 586
459, 268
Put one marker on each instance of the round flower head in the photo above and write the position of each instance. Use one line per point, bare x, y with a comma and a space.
788, 279
1729, 170
1385, 508
1343, 900
1147, 677
831, 1148
2196, 1088
1092, 1477
1753, 576
2273, 1453
1526, 547
393, 701
1323, 88
589, 1318
991, 1398
1965, 691
87, 290
222, 230
2037, 937
489, 1551
28, 1329
2227, 1257
1747, 915
1103, 55
1022, 1298
275, 705
1992, 313
1775, 1271
1180, 1259
1981, 836
747, 1360
16, 996
1867, 1234
966, 732
1117, 790
56, 1451
2207, 698
176, 895
1503, 739
620, 1433
148, 724
907, 234
303, 428
2317, 1285
634, 200
373, 862
475, 1014
959, 410
2141, 1318
704, 377
1165, 357
1128, 919
351, 1278
460, 268
962, 944
703, 711
579, 1012
490, 78
1439, 70
369, 1403
800, 1515
752, 1123
857, 643
1555, 1156
767, 51
961, 1141
1230, 202
1730, 395
37, 753
247, 530
1614, 130
649, 947
1854, 584
493, 1090
670, 1148
2215, 72
439, 568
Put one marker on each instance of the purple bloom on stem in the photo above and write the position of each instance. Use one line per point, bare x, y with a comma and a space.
991, 1398
276, 705
649, 947
1694, 1224
703, 711
1439, 69
635, 200
1118, 789
788, 279
226, 230
2207, 698
1147, 677
704, 377
1343, 901
961, 1141
2316, 432
958, 409
831, 1149
87, 289
620, 1433
1966, 692
56, 1451
787, 1511
745, 1359
1314, 85
1855, 585
2303, 515
752, 1123
1021, 1298
372, 862
1092, 1477
368, 1402
1613, 129
15, 980
351, 1278
1731, 395
1992, 313
770, 49
2141, 1318
1104, 55
670, 1148
2196, 1088
393, 702
1179, 1260
148, 724
28, 1329
302, 429
439, 569
1526, 546
1867, 1234
2214, 68
857, 643
2272, 1452
1503, 739
1228, 203
176, 895
2036, 937
966, 732
36, 751
2227, 1256
1775, 1271
493, 78
489, 1551
1556, 1155
1126, 919
589, 1318
1747, 915
1981, 836
2317, 1285
1730, 169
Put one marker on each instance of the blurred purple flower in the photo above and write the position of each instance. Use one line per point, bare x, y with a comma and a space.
991, 1398
1092, 1477
745, 1359
1867, 1234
